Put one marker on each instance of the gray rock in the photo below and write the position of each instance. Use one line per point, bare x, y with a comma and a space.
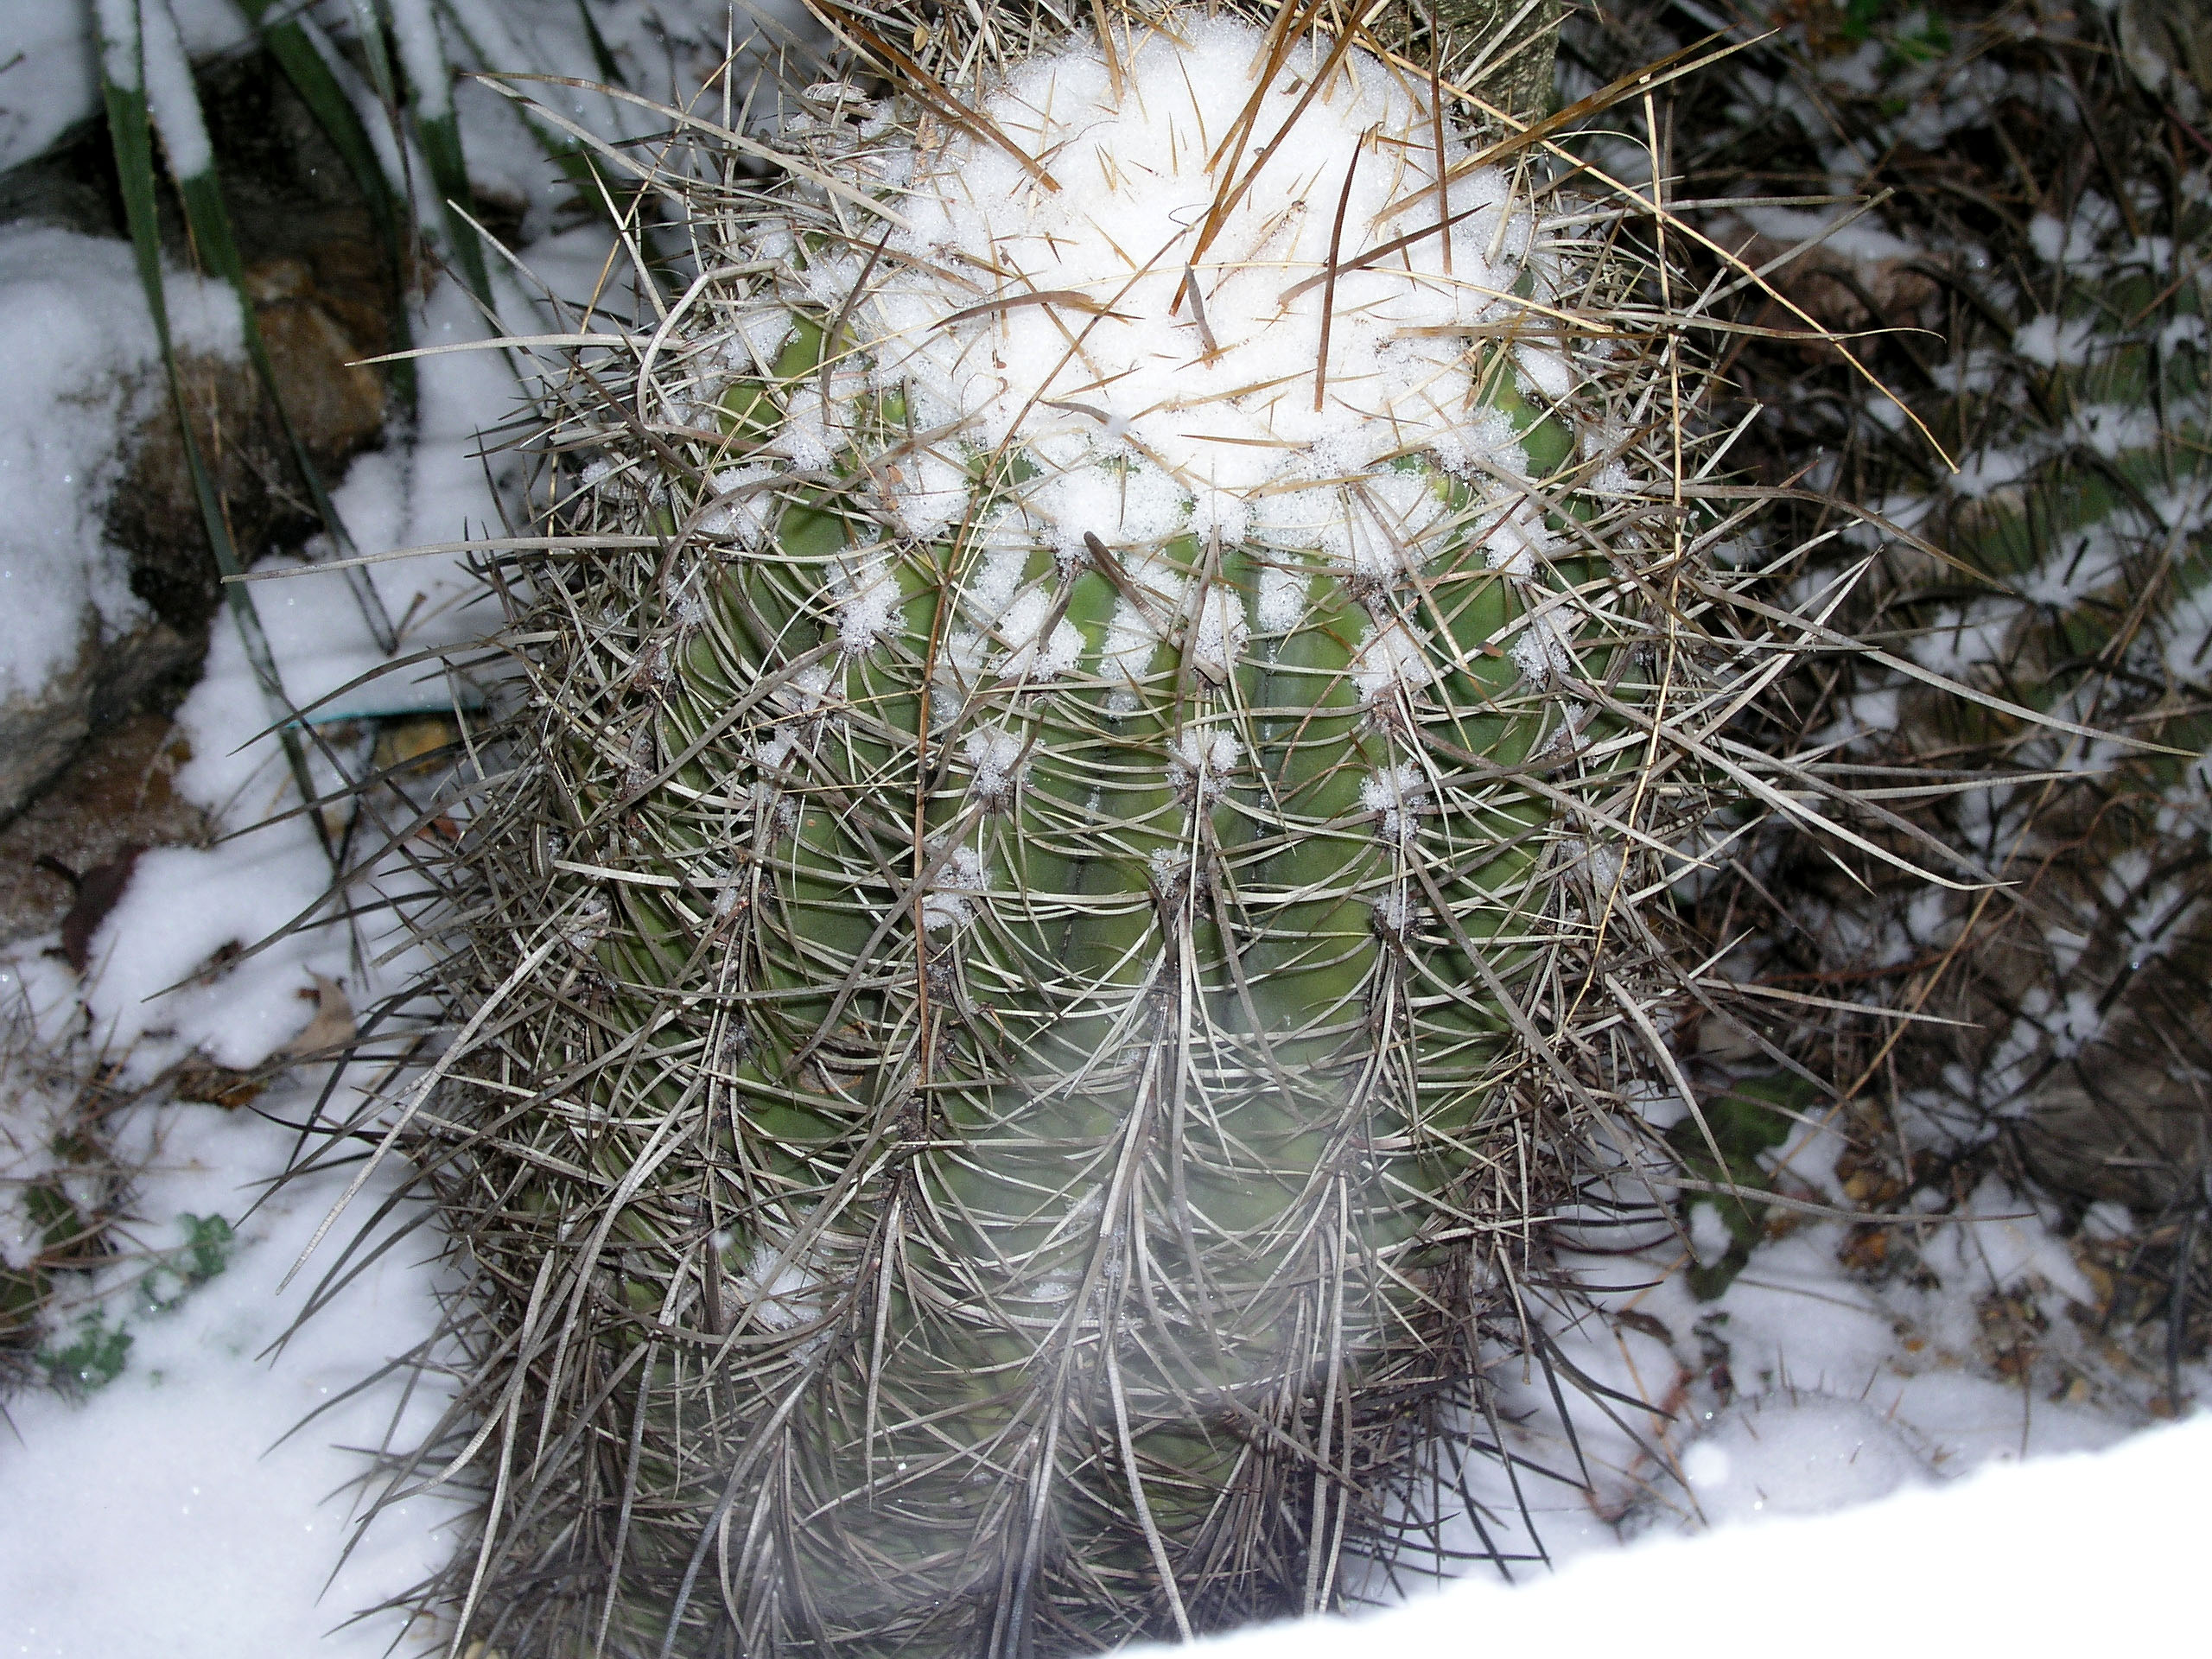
41, 732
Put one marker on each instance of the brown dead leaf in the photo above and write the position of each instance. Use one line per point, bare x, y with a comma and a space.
99, 891
217, 1085
331, 1029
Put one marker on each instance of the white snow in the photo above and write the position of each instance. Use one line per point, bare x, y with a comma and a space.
1202, 757
1860, 239
1799, 1454
1389, 658
741, 512
158, 1514
2071, 1554
930, 493
182, 906
416, 29
945, 906
867, 606
1222, 393
171, 102
1296, 370
55, 83
994, 755
1398, 796
163, 1515
2051, 341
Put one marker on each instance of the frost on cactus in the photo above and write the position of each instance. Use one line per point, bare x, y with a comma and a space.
1119, 658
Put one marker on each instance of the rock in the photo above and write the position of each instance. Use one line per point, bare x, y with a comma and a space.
40, 731
323, 294
113, 797
336, 408
109, 680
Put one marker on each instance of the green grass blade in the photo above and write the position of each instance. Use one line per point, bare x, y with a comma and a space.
204, 212
574, 161
440, 137
368, 25
209, 222
437, 133
302, 63
609, 70
131, 132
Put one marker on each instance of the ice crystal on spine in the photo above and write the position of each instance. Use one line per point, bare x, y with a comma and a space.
1389, 658
945, 907
1203, 758
868, 603
995, 758
741, 511
1399, 794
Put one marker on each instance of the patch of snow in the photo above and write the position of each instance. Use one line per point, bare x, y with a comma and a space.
1390, 659
2051, 340
171, 101
994, 759
742, 512
1794, 1453
49, 66
155, 971
1165, 372
948, 904
1397, 795
1861, 240
1202, 757
930, 491
188, 1508
868, 602
2017, 1560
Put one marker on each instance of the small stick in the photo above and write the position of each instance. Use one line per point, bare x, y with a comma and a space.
1329, 286
1199, 312
1105, 25
1436, 125
1218, 214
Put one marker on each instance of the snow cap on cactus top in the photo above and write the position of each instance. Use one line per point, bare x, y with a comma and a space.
1167, 387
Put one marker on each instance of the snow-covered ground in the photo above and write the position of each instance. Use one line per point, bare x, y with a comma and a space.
204, 1500
2065, 1555
170, 1513
163, 1510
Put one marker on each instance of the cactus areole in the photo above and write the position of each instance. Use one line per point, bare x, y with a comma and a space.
1103, 690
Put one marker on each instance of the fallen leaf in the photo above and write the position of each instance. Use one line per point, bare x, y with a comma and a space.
331, 1029
217, 1085
98, 890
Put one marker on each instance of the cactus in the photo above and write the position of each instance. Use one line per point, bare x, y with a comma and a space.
1101, 688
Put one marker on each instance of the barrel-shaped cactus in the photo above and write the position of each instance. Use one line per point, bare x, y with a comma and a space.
1104, 684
